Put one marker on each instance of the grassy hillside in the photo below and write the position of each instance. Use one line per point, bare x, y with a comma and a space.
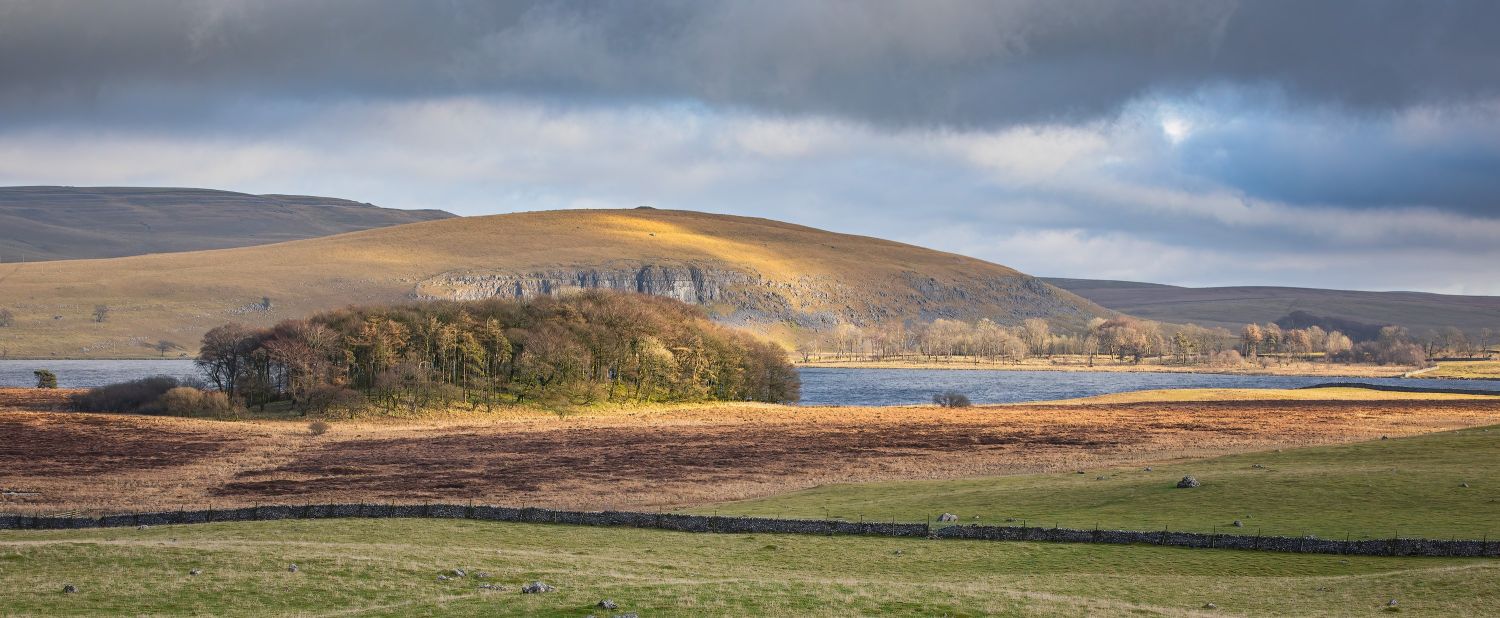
1233, 307
745, 270
1411, 486
390, 568
63, 223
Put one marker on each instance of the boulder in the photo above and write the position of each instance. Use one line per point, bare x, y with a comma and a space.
607, 604
292, 568
947, 517
1238, 524
1188, 482
442, 578
195, 572
70, 589
459, 573
536, 588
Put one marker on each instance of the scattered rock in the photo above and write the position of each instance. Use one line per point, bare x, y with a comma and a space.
1079, 472
536, 588
947, 517
292, 568
1238, 524
1101, 478
491, 587
607, 604
1010, 520
1257, 466
629, 615
1146, 469
142, 527
482, 574
195, 572
459, 573
1391, 603
1210, 606
1463, 484
70, 589
442, 578
896, 553
1187, 482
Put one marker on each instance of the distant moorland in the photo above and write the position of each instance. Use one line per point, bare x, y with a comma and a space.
1343, 310
65, 223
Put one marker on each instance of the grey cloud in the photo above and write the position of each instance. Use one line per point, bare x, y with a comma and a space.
945, 62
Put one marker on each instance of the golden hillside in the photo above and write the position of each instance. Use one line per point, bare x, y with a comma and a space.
756, 272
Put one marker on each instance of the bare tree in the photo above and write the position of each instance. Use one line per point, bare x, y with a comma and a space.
1251, 336
1035, 332
101, 313
165, 346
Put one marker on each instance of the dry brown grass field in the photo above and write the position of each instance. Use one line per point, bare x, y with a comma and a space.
1080, 363
655, 458
787, 271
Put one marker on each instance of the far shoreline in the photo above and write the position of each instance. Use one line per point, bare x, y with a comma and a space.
1345, 372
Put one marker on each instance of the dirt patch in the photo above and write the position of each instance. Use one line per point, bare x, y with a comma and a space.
649, 459
530, 461
88, 445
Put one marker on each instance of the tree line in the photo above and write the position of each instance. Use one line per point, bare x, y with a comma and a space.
1128, 339
571, 350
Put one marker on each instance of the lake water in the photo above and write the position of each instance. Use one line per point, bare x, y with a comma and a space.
820, 386
91, 373
883, 387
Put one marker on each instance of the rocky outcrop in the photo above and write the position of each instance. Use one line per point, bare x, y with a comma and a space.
689, 283
742, 297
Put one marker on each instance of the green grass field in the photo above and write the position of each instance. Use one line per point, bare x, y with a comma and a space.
389, 568
1467, 370
1408, 486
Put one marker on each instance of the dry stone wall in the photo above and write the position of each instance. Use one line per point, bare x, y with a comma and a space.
761, 525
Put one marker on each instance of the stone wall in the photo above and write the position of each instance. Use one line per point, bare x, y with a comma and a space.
728, 524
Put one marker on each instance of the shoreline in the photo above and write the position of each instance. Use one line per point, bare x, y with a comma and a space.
1396, 372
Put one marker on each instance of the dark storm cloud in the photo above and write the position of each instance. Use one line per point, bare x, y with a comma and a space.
942, 62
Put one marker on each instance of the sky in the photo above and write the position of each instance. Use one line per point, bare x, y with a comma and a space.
1351, 145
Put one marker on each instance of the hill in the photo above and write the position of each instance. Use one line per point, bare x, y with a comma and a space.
64, 223
774, 276
1233, 307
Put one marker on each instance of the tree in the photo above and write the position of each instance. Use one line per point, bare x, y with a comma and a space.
1182, 346
225, 356
7, 318
101, 313
1337, 343
45, 378
165, 346
1251, 336
1035, 332
1094, 338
